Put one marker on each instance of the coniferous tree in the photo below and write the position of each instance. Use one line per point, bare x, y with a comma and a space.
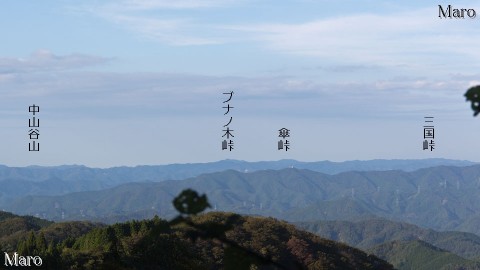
27, 246
40, 244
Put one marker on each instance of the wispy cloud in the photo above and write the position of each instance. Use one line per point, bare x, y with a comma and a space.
347, 68
410, 38
153, 20
417, 39
178, 4
177, 32
190, 94
46, 61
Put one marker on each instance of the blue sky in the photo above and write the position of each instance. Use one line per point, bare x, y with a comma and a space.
133, 82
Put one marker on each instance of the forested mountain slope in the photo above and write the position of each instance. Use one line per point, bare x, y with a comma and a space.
36, 180
441, 198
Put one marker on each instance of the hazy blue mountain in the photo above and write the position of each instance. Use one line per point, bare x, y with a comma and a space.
37, 180
441, 198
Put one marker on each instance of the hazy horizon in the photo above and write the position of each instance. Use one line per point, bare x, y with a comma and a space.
233, 160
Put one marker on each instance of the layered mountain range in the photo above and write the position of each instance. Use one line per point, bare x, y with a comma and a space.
58, 180
441, 198
415, 214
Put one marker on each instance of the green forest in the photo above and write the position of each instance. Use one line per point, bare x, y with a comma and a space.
157, 244
213, 240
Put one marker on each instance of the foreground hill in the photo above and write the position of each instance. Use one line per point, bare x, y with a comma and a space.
157, 244
441, 198
14, 228
36, 180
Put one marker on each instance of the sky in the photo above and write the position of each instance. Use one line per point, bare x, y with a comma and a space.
141, 82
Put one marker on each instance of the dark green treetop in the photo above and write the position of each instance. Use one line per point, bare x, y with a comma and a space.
473, 95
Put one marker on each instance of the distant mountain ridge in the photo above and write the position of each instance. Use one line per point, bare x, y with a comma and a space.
441, 198
58, 180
